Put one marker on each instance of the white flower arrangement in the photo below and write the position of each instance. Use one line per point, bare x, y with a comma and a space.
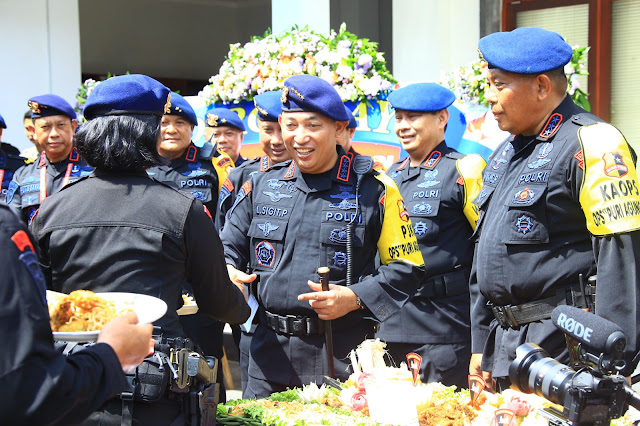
352, 65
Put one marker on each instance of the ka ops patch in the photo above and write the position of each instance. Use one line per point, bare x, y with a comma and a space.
610, 194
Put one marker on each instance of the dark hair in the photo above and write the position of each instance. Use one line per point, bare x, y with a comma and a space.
120, 142
27, 115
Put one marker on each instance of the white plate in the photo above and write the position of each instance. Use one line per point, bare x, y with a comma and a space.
148, 309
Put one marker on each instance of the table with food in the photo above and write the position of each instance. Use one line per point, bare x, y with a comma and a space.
377, 393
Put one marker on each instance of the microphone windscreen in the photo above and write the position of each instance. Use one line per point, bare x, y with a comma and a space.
587, 328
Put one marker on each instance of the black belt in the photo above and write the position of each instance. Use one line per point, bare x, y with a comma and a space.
446, 285
513, 316
292, 325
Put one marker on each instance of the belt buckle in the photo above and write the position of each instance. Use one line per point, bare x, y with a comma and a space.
283, 325
498, 313
502, 314
297, 325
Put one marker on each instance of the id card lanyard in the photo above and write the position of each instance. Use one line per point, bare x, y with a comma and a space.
43, 175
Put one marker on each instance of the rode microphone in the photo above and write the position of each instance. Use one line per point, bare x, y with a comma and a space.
594, 332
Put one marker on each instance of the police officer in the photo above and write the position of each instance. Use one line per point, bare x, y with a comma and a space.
345, 139
438, 185
40, 385
33, 151
197, 171
225, 130
554, 206
268, 107
59, 163
299, 216
9, 163
131, 233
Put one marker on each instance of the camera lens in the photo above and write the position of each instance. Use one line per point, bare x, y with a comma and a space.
533, 371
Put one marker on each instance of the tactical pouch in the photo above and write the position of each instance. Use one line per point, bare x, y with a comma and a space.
151, 380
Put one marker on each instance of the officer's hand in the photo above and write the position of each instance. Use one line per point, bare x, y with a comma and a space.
131, 342
332, 304
475, 368
239, 278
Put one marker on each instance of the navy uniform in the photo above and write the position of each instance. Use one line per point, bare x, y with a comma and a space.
268, 109
157, 241
34, 182
9, 163
161, 241
438, 195
554, 205
286, 224
40, 385
199, 171
224, 117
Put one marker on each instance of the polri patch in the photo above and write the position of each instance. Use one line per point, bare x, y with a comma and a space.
524, 224
340, 259
265, 254
614, 165
420, 228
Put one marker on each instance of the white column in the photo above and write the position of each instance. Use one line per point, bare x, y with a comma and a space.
287, 13
431, 36
40, 54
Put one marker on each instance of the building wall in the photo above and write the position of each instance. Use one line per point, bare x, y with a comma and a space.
40, 54
186, 39
431, 36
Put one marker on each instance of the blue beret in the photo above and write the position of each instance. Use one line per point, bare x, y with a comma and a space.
47, 105
525, 50
268, 105
3, 125
310, 93
422, 97
128, 94
220, 117
180, 106
352, 120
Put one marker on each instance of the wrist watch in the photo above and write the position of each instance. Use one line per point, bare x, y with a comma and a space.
359, 302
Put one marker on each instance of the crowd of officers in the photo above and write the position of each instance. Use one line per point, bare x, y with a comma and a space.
442, 254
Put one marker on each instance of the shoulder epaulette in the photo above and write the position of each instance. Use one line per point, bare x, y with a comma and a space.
583, 120
454, 154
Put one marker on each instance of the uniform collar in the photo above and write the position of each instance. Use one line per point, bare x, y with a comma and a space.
120, 173
558, 117
340, 173
428, 163
189, 155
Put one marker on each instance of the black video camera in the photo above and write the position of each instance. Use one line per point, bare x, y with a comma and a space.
589, 394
